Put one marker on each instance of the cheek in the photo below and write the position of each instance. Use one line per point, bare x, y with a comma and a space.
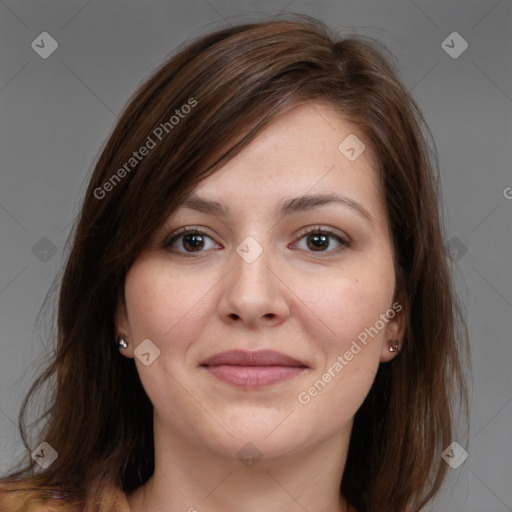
169, 309
346, 304
161, 304
351, 333
350, 338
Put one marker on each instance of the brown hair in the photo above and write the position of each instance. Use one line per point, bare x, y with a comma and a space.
236, 81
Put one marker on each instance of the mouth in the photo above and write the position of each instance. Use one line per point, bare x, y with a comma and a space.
253, 369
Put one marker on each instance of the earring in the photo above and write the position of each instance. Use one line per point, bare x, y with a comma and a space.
121, 342
394, 346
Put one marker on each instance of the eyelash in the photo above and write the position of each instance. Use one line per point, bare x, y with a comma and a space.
173, 237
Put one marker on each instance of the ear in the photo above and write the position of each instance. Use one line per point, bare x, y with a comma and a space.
394, 331
122, 328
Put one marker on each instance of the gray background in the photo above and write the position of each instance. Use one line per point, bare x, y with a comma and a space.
57, 112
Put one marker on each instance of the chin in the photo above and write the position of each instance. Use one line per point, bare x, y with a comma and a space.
273, 432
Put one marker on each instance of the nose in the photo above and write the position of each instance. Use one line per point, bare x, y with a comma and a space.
254, 294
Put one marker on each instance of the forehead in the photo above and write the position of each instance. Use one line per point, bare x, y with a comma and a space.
311, 149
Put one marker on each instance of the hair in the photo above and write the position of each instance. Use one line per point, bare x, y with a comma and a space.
236, 81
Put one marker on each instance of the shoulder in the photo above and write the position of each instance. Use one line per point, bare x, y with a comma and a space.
16, 497
23, 497
20, 497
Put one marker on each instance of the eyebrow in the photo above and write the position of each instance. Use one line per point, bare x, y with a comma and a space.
287, 206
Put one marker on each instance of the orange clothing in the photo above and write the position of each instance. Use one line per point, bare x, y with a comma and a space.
113, 499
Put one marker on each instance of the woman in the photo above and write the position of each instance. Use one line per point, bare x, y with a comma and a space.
256, 311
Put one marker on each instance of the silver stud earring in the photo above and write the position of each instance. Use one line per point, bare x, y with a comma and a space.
394, 346
121, 342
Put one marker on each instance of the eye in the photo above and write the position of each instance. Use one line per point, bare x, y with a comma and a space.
318, 239
190, 239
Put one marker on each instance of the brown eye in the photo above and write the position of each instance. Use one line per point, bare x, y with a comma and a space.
187, 241
320, 240
193, 241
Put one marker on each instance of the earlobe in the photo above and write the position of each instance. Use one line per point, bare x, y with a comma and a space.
390, 350
121, 342
122, 331
393, 338
124, 346
394, 345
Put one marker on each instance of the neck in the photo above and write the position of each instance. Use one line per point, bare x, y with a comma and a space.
188, 478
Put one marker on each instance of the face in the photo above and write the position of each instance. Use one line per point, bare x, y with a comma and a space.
268, 321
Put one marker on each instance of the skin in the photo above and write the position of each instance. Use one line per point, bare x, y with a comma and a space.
309, 304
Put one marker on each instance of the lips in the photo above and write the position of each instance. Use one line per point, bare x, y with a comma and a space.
253, 369
260, 358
